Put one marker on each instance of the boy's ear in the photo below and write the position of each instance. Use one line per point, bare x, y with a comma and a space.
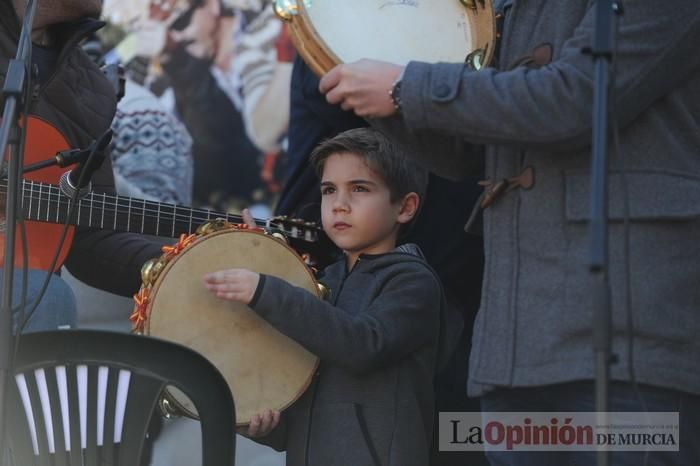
409, 208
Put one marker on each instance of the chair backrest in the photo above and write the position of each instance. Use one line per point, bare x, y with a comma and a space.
86, 397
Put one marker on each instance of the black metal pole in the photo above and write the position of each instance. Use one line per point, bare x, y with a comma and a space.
602, 52
11, 136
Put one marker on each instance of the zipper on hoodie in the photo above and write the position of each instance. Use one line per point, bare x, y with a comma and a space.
334, 302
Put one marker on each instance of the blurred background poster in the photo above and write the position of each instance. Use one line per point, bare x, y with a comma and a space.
204, 118
203, 123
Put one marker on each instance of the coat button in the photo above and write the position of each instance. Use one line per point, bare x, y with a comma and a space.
442, 90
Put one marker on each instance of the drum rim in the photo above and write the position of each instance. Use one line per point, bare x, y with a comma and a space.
302, 29
154, 291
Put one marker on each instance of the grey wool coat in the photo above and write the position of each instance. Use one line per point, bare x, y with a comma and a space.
534, 324
371, 401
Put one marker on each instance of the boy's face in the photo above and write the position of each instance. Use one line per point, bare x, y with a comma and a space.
356, 207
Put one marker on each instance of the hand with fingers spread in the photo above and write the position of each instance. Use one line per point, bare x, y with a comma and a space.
363, 87
262, 424
233, 284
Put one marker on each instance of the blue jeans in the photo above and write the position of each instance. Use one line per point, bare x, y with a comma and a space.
57, 308
579, 396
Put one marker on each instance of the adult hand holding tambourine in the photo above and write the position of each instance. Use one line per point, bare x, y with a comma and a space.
359, 48
328, 32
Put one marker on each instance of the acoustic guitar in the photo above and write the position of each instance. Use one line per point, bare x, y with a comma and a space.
46, 209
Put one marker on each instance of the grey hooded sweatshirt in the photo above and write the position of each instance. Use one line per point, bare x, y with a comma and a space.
371, 401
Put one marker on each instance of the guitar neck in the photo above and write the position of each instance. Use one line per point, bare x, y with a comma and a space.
46, 203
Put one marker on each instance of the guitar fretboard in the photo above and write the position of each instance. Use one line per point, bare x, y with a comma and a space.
46, 203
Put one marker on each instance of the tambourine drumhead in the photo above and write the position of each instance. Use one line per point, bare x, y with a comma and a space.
263, 368
329, 32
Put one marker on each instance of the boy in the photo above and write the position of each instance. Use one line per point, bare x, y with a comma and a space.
371, 402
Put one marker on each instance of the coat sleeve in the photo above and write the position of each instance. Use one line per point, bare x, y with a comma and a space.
111, 260
550, 107
403, 318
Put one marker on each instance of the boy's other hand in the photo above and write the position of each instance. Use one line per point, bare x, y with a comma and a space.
233, 284
262, 424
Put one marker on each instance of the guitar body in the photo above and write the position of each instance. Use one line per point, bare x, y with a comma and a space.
43, 142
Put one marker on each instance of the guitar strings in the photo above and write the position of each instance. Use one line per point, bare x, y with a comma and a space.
116, 205
102, 202
111, 203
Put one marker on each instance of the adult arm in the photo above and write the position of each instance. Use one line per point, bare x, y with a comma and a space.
112, 261
205, 108
546, 108
550, 107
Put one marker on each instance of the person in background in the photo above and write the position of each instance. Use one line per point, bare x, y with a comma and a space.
184, 44
226, 163
151, 149
260, 74
262, 65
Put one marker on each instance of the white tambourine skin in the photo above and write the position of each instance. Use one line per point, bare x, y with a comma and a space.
396, 31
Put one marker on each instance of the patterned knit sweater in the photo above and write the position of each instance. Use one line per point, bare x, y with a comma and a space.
151, 152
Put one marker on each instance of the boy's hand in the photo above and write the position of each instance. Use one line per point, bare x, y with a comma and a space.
233, 284
262, 424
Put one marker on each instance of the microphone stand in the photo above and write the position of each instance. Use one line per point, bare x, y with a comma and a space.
602, 53
16, 82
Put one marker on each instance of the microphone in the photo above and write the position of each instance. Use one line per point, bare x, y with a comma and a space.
78, 179
69, 157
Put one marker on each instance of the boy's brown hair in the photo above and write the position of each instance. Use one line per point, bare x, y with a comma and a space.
382, 156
